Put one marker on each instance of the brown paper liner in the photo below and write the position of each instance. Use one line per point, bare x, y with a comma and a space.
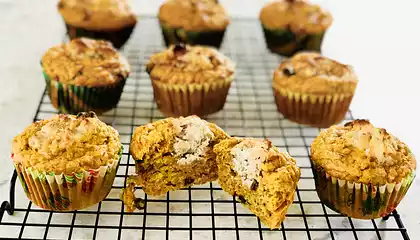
358, 200
64, 192
312, 110
175, 100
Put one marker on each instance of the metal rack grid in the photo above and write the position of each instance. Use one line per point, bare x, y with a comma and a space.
199, 212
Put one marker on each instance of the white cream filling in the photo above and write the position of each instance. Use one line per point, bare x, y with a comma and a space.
192, 140
247, 162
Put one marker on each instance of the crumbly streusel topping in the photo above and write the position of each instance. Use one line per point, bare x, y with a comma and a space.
297, 16
360, 152
309, 72
85, 62
182, 64
97, 15
193, 137
194, 15
252, 156
66, 144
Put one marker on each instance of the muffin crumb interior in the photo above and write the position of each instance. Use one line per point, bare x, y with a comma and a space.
247, 160
193, 137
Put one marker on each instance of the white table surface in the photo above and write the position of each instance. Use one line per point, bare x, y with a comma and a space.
379, 38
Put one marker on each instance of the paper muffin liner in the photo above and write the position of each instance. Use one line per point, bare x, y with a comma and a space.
314, 110
175, 100
287, 43
358, 200
67, 192
179, 35
68, 98
117, 37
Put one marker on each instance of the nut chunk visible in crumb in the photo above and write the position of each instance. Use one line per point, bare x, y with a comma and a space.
171, 154
262, 178
192, 139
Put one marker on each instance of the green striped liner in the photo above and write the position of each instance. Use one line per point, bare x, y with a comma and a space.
358, 200
180, 35
68, 98
117, 37
287, 43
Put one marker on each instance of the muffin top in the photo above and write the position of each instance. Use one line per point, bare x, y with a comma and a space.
85, 62
67, 144
298, 16
312, 73
185, 140
360, 152
184, 64
194, 15
97, 15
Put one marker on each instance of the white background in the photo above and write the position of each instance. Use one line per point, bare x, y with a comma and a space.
379, 38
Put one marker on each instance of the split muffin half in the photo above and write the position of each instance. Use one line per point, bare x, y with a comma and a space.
259, 175
172, 154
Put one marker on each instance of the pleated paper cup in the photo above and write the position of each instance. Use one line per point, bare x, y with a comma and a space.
358, 200
68, 98
179, 35
67, 192
310, 109
117, 37
175, 100
287, 43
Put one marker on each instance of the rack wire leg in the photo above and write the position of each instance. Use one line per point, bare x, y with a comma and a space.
386, 217
9, 206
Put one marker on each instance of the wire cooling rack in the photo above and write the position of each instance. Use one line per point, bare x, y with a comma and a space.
205, 211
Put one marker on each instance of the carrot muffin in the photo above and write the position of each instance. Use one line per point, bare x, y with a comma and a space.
110, 20
294, 25
67, 162
259, 175
361, 171
171, 154
190, 80
84, 75
314, 90
201, 22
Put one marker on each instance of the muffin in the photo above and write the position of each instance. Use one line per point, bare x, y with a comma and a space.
67, 162
259, 175
190, 80
361, 171
201, 22
84, 75
291, 26
171, 154
314, 90
110, 20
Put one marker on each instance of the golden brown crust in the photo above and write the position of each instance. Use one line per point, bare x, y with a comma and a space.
66, 144
97, 15
161, 167
181, 64
272, 192
85, 62
194, 15
360, 152
298, 16
312, 73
